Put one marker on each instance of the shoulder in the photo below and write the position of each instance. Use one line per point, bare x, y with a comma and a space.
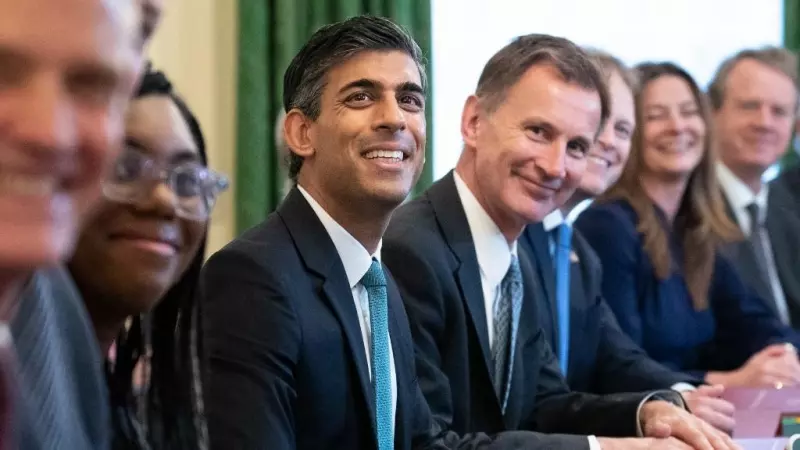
619, 211
607, 220
52, 328
264, 254
51, 296
413, 231
415, 215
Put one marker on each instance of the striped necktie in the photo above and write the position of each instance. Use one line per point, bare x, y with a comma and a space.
507, 308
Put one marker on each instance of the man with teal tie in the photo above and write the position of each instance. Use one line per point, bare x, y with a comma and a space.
308, 344
482, 360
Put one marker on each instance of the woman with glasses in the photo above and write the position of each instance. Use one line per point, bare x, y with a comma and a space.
137, 265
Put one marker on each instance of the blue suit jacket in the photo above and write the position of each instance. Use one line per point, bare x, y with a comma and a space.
602, 358
659, 315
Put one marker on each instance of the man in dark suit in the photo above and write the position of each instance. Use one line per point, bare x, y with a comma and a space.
69, 68
308, 343
599, 357
482, 359
754, 98
789, 180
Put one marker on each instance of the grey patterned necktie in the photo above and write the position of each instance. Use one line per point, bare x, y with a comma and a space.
756, 242
507, 308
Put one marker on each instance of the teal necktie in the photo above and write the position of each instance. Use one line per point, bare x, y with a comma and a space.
375, 283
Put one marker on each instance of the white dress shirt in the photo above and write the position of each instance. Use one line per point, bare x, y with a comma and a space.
739, 196
494, 257
356, 261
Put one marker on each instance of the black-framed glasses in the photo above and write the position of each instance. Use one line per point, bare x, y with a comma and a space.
194, 186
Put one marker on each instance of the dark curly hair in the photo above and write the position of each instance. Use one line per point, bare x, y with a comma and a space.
168, 413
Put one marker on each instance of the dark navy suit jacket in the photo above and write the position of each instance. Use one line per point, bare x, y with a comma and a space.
602, 358
287, 367
659, 315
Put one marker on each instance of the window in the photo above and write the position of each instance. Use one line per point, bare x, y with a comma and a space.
697, 34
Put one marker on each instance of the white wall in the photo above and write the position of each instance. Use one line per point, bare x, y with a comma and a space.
696, 34
196, 47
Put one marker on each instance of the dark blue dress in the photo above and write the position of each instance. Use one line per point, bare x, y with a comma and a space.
659, 314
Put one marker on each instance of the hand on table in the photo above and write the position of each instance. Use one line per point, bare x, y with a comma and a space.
662, 419
706, 403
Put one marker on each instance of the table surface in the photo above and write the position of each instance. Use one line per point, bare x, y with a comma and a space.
762, 444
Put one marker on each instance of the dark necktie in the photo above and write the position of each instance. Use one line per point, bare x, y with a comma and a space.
374, 282
507, 308
758, 242
563, 247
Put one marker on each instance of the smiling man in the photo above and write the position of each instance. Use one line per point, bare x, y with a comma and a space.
308, 343
755, 100
69, 67
482, 359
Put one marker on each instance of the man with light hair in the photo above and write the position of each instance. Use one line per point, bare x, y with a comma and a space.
70, 67
754, 98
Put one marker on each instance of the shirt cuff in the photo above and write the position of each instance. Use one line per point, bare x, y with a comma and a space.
594, 444
683, 387
666, 396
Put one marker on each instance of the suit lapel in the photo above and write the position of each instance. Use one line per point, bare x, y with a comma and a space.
744, 257
782, 227
321, 258
453, 221
403, 359
540, 244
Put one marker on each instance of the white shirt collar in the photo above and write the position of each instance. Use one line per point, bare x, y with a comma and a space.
355, 258
553, 220
491, 247
739, 194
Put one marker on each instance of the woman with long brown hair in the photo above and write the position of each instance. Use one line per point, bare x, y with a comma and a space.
657, 233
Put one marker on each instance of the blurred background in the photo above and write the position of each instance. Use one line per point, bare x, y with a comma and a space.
227, 58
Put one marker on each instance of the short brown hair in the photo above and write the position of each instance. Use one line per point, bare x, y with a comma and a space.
508, 65
610, 65
778, 58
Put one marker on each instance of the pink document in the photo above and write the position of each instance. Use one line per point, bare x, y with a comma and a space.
759, 411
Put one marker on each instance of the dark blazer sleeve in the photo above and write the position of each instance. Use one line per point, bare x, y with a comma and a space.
419, 271
622, 366
560, 411
419, 280
615, 241
736, 308
252, 339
